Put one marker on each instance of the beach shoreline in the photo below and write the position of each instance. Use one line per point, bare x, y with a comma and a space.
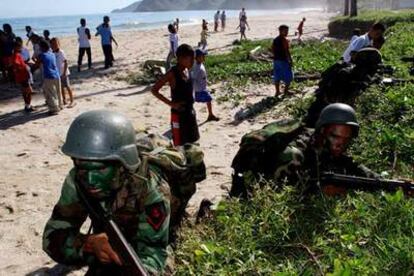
34, 168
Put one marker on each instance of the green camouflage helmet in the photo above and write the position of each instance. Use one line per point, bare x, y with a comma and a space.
338, 113
102, 135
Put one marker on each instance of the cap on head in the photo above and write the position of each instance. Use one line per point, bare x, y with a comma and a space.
339, 114
102, 135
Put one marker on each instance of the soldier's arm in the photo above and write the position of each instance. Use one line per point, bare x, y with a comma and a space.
62, 239
153, 230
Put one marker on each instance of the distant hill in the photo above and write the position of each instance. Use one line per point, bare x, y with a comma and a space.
131, 8
168, 5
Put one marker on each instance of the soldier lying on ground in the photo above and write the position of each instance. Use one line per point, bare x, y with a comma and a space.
343, 82
103, 147
304, 157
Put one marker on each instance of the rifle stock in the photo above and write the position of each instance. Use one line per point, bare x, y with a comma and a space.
366, 184
132, 264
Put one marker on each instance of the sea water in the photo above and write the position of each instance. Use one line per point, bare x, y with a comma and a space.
66, 25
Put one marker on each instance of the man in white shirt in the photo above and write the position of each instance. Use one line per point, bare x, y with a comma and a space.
377, 30
84, 35
63, 69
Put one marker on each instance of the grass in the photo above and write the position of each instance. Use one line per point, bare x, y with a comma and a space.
237, 69
311, 57
282, 233
387, 17
342, 26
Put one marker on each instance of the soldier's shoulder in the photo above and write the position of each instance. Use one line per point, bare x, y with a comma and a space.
69, 193
152, 187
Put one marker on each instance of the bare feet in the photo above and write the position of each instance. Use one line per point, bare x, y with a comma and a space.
213, 118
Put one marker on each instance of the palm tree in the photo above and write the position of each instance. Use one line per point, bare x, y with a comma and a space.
346, 7
354, 7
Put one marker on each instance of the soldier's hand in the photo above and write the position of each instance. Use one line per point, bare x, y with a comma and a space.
99, 246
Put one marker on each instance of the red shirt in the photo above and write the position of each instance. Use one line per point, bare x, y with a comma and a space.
20, 68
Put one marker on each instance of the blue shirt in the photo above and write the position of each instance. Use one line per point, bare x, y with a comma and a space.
105, 33
50, 70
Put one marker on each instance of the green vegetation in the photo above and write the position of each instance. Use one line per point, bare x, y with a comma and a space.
388, 113
281, 233
342, 26
399, 44
311, 57
238, 69
387, 17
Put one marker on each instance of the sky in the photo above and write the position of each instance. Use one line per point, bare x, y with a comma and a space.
29, 8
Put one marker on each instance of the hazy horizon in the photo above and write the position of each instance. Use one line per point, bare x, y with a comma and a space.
38, 8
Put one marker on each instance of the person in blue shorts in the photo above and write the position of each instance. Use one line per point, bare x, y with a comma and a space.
199, 76
282, 60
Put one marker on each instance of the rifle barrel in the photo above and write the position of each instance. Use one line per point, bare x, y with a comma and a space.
364, 183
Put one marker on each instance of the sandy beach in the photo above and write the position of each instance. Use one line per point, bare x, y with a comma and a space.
33, 167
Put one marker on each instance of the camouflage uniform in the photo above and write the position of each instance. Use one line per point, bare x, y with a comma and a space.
301, 161
135, 194
343, 82
291, 154
141, 211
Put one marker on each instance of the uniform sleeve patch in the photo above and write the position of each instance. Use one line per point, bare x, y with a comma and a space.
156, 215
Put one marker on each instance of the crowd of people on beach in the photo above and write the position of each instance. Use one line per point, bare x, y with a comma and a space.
48, 64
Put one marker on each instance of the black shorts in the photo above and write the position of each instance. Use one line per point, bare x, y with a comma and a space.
184, 127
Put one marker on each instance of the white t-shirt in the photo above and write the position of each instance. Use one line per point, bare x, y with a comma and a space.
356, 45
83, 38
60, 62
174, 39
199, 76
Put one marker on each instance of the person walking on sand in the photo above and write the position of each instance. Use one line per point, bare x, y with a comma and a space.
84, 37
282, 60
22, 74
62, 66
104, 30
216, 21
199, 76
299, 32
242, 26
223, 20
173, 40
184, 126
204, 34
51, 81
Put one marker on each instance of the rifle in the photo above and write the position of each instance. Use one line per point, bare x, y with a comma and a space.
393, 81
365, 184
407, 59
132, 264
